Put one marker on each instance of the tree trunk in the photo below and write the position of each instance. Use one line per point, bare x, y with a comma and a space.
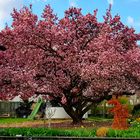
76, 117
77, 120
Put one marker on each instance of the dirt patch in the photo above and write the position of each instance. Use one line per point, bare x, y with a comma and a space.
85, 124
60, 124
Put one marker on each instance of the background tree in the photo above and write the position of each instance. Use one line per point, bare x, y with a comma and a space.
76, 61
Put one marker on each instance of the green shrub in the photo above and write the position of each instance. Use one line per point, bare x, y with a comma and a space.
3, 132
133, 132
136, 113
47, 132
125, 101
101, 110
136, 123
129, 133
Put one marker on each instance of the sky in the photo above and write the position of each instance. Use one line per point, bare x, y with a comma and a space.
127, 9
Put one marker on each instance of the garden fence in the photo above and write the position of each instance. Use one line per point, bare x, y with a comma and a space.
7, 109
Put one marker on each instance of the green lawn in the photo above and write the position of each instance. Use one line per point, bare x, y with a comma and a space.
98, 119
20, 120
13, 120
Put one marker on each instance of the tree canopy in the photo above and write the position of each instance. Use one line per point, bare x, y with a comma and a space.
76, 61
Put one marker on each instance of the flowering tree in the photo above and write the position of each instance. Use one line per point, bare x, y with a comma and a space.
76, 61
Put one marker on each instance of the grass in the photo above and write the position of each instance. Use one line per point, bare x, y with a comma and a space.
74, 131
80, 132
13, 120
21, 120
24, 122
128, 133
98, 119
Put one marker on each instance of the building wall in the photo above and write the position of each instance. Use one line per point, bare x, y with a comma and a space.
59, 113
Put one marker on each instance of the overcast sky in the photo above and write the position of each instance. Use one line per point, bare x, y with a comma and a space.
127, 9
